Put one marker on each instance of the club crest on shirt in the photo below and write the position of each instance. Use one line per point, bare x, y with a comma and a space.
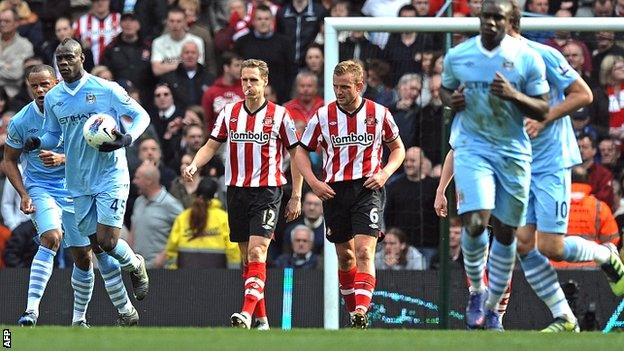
370, 120
90, 98
508, 65
267, 121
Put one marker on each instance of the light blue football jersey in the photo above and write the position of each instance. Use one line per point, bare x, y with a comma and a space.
490, 124
29, 122
67, 107
555, 147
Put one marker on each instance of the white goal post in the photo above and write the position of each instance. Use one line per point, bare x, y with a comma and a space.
333, 25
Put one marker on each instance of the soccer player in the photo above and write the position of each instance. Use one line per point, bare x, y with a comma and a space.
98, 180
492, 82
351, 132
45, 198
255, 132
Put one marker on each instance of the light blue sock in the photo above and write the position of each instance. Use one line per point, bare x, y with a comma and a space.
124, 254
40, 272
543, 279
577, 249
475, 258
500, 268
82, 282
113, 282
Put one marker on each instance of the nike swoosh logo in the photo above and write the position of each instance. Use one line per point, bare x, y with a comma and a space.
106, 132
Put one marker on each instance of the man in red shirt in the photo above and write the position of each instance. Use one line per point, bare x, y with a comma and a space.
226, 89
599, 177
306, 102
255, 132
351, 131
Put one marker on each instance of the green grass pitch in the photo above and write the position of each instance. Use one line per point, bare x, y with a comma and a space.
138, 339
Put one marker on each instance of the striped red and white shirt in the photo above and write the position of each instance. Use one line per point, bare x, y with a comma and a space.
97, 32
351, 143
255, 143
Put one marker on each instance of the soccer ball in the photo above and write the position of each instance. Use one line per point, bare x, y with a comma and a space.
99, 129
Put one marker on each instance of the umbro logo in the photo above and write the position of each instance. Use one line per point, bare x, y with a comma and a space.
333, 123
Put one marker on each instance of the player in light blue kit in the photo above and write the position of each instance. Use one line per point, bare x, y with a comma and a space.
45, 197
555, 151
492, 82
98, 181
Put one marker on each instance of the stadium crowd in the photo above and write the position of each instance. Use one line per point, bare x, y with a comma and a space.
181, 60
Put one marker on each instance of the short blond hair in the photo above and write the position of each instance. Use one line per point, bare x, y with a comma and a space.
352, 67
606, 68
260, 65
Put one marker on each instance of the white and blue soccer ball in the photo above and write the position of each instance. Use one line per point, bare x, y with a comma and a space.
98, 129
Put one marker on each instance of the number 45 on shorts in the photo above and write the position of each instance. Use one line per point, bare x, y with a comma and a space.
118, 204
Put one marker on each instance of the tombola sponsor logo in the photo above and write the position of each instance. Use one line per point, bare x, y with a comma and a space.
249, 137
365, 139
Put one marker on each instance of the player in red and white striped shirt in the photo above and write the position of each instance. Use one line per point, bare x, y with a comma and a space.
351, 132
97, 28
255, 132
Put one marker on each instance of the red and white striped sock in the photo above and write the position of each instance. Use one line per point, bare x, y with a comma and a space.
364, 287
260, 311
346, 279
254, 286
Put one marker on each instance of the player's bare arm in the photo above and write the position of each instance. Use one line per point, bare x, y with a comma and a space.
395, 160
204, 155
302, 162
441, 204
535, 107
578, 94
9, 166
293, 207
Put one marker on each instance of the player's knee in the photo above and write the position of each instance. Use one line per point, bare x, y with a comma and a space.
524, 247
364, 254
82, 259
346, 260
107, 244
52, 239
475, 225
256, 254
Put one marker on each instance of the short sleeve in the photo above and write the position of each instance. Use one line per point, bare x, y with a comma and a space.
449, 80
219, 131
390, 130
288, 132
312, 134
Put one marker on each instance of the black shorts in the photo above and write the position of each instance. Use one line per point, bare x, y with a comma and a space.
354, 210
252, 211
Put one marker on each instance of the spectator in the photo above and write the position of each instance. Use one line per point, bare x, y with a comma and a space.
226, 89
167, 118
404, 110
302, 256
539, 8
599, 177
382, 8
428, 130
337, 8
314, 62
181, 189
21, 247
24, 97
5, 234
273, 48
610, 98
474, 7
29, 25
103, 72
12, 216
589, 217
312, 217
166, 49
15, 50
190, 80
575, 54
300, 21
357, 46
151, 15
97, 28
611, 156
409, 204
397, 254
153, 214
200, 235
193, 138
377, 75
191, 9
128, 57
306, 100
193, 114
581, 124
455, 253
149, 150
605, 46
